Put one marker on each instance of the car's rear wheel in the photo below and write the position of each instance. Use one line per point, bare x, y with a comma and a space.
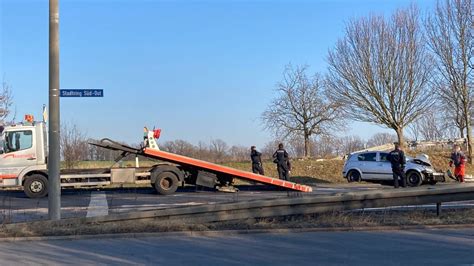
414, 179
353, 176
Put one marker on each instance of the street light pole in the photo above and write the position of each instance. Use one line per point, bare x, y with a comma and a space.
54, 190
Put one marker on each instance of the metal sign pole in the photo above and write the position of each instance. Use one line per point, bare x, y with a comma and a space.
54, 190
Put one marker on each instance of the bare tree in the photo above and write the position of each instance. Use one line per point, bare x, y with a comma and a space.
179, 146
74, 146
381, 139
325, 147
296, 146
239, 153
430, 126
269, 148
348, 144
414, 130
218, 149
451, 132
301, 108
380, 70
448, 100
6, 101
203, 151
451, 38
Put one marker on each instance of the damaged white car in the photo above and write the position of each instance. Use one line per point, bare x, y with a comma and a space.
373, 165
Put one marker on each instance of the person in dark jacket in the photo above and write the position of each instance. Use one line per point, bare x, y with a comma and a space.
257, 166
397, 159
282, 160
458, 159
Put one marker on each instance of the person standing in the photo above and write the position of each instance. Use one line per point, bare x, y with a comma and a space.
282, 160
459, 161
397, 159
257, 166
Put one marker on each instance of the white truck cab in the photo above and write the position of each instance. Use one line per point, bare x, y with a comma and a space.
23, 153
24, 156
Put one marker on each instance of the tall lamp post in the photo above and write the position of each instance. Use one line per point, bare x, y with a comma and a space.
54, 190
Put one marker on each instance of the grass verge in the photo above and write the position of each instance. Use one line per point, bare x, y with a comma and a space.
305, 171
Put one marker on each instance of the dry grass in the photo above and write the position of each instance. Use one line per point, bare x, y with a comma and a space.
388, 217
304, 171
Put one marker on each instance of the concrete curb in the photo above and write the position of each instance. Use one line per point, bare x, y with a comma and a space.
238, 232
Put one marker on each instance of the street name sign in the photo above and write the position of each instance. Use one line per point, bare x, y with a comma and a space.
81, 93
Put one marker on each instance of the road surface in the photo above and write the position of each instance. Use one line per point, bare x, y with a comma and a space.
16, 207
418, 247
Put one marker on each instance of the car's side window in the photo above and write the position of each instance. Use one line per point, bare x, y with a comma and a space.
383, 157
367, 157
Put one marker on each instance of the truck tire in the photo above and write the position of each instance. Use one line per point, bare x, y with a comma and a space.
36, 186
166, 183
414, 179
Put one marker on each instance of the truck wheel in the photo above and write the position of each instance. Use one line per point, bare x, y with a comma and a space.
166, 183
414, 179
36, 186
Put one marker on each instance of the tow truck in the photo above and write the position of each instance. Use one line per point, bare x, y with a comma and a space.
24, 156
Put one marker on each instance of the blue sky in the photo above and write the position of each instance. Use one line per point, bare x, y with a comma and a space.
200, 70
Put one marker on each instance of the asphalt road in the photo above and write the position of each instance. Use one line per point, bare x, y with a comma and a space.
420, 247
16, 207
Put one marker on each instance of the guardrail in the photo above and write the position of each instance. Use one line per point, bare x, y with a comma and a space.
281, 207
302, 205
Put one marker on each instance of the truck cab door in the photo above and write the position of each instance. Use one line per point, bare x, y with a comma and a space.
18, 152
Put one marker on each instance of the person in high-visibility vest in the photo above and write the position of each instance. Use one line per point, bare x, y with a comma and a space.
458, 159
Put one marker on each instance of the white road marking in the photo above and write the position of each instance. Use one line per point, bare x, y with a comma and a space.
150, 207
192, 203
98, 205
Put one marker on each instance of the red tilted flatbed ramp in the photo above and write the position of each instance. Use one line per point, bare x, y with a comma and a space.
183, 160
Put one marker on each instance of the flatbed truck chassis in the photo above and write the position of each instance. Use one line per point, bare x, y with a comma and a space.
23, 163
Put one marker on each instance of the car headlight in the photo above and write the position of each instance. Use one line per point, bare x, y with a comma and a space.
428, 170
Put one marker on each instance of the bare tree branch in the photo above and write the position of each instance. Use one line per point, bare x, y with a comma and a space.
6, 101
381, 139
450, 33
74, 147
380, 71
302, 108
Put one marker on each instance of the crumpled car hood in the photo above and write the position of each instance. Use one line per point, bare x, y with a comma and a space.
422, 159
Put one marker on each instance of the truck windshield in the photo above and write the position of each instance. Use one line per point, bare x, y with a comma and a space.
17, 141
